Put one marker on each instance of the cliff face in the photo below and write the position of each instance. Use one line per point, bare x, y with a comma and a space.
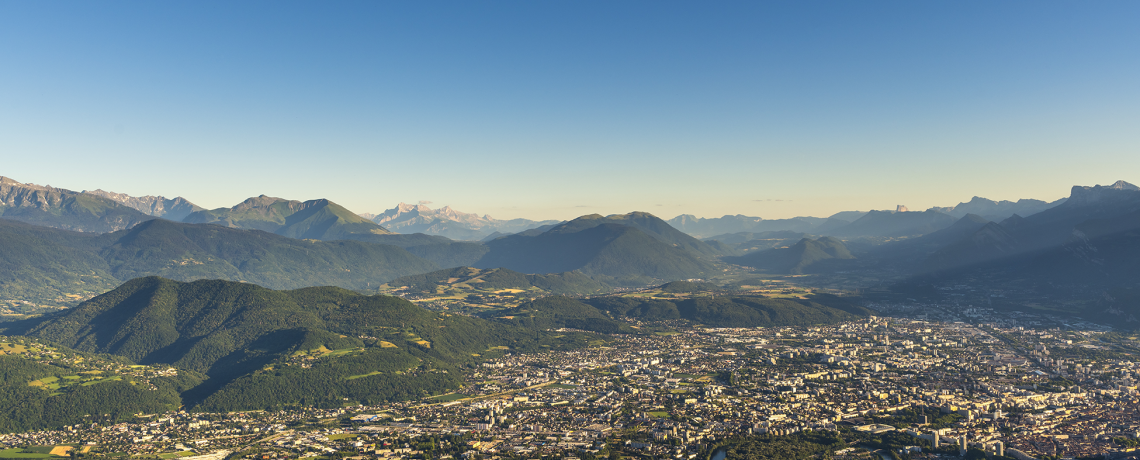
16, 194
174, 209
1083, 195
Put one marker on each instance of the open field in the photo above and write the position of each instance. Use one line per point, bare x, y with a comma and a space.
31, 452
56, 383
169, 455
324, 352
12, 348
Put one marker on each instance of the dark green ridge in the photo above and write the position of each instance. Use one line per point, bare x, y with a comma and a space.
43, 265
247, 340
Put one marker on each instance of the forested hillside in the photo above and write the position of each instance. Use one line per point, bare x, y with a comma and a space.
45, 386
733, 311
46, 266
264, 348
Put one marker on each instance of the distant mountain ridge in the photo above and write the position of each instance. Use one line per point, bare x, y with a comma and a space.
798, 258
1078, 257
58, 267
66, 209
314, 219
174, 209
999, 210
100, 211
844, 223
893, 224
706, 227
1050, 228
445, 221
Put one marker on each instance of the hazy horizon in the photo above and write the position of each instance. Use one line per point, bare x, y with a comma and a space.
580, 209
555, 110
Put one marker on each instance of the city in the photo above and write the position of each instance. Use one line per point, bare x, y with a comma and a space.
941, 388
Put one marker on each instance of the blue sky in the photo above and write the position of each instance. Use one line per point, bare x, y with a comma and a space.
555, 109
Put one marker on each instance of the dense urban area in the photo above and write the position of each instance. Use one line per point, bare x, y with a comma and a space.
959, 382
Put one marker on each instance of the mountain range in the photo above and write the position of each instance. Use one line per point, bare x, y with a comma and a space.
65, 209
313, 219
101, 239
100, 211
418, 218
998, 210
55, 268
46, 266
174, 209
862, 223
895, 224
1101, 210
1077, 257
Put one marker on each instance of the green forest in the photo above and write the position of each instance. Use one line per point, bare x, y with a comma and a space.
261, 348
